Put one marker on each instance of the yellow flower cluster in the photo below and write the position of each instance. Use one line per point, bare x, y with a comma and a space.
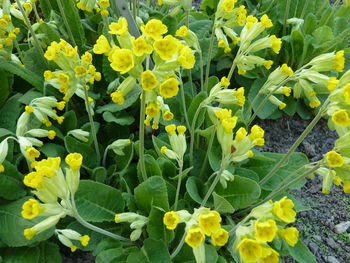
75, 72
51, 186
67, 235
255, 237
235, 148
169, 54
203, 222
8, 33
137, 222
101, 6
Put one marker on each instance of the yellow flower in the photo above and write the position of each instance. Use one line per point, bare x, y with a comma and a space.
154, 29
171, 129
148, 80
284, 210
152, 109
122, 60
250, 21
229, 124
171, 219
32, 153
181, 130
276, 44
186, 58
265, 231
102, 46
286, 91
48, 75
225, 82
87, 58
194, 237
337, 180
240, 134
228, 5
28, 6
341, 118
118, 97
60, 119
315, 103
339, 61
60, 105
210, 222
223, 114
74, 160
257, 134
104, 3
47, 167
31, 209
73, 248
80, 71
2, 168
332, 83
240, 96
286, 70
249, 250
267, 64
334, 159
346, 93
51, 134
84, 240
168, 115
33, 180
29, 109
3, 23
269, 255
166, 47
120, 28
290, 235
219, 238
282, 106
346, 186
169, 88
63, 78
265, 21
140, 46
29, 233
182, 31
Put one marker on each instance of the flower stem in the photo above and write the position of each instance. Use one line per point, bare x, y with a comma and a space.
183, 100
212, 187
286, 14
192, 131
210, 145
32, 32
296, 144
105, 157
65, 21
142, 136
179, 246
99, 230
92, 124
178, 187
210, 50
201, 69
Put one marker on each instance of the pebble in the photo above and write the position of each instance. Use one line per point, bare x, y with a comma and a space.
314, 247
317, 237
342, 227
331, 259
331, 243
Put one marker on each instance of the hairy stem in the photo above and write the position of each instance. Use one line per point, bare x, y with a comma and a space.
286, 14
178, 187
142, 137
92, 124
295, 145
210, 145
192, 131
212, 186
65, 21
210, 50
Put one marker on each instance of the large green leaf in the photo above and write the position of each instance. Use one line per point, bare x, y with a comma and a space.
194, 107
74, 23
11, 188
301, 253
240, 193
156, 251
152, 167
98, 202
13, 225
10, 112
153, 191
155, 226
5, 86
24, 73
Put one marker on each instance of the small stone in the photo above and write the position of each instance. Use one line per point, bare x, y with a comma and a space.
314, 248
317, 237
331, 243
342, 227
331, 259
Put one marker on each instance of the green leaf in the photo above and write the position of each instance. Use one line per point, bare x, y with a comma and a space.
240, 193
130, 99
10, 112
152, 167
99, 174
155, 226
301, 253
123, 119
11, 188
29, 96
323, 34
195, 188
153, 191
74, 23
156, 251
88, 153
201, 27
194, 106
70, 121
5, 86
24, 73
53, 150
13, 225
111, 255
98, 202
222, 205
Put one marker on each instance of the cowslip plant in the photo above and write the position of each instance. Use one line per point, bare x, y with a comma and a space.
188, 181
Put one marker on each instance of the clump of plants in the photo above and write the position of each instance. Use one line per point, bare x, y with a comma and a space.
128, 130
